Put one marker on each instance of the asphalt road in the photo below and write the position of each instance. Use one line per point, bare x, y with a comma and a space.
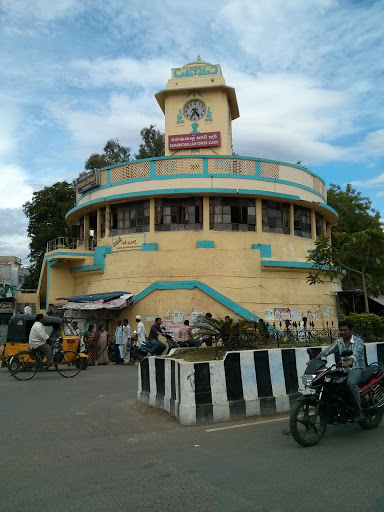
85, 444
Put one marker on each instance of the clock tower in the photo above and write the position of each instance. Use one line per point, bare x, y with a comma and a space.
199, 108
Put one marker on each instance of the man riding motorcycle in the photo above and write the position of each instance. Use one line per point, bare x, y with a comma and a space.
354, 365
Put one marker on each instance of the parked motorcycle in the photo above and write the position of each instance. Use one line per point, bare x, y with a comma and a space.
143, 351
324, 399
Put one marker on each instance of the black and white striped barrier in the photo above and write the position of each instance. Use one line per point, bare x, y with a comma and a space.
245, 383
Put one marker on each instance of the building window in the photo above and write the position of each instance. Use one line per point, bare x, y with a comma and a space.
102, 222
232, 214
179, 214
302, 222
319, 225
130, 218
276, 217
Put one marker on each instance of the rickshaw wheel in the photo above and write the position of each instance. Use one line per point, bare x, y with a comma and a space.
69, 366
21, 370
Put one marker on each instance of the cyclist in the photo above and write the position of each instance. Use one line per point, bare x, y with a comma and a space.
38, 339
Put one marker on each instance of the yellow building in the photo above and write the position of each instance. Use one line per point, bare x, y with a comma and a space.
199, 229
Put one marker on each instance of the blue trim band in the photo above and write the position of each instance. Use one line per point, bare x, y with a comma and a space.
88, 267
265, 250
82, 254
150, 247
192, 285
205, 244
290, 264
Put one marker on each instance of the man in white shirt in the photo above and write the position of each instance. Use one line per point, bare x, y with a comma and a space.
38, 339
126, 347
140, 335
119, 343
27, 310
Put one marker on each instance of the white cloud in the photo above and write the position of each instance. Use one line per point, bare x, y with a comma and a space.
372, 182
15, 190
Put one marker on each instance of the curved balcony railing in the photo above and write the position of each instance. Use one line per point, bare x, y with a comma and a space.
218, 166
87, 244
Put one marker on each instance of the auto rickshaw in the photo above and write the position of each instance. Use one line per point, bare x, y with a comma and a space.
19, 327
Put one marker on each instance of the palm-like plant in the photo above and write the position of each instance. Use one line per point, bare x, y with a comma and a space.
228, 333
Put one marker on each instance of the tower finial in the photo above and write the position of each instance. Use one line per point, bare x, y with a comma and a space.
198, 58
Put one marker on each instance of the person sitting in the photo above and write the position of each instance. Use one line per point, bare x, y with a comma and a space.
185, 336
153, 339
38, 340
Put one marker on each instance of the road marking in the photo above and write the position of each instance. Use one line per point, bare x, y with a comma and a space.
247, 424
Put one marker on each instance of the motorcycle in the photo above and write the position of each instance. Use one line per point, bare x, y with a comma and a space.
143, 351
324, 399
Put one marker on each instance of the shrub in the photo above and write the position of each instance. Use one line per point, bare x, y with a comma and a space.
368, 326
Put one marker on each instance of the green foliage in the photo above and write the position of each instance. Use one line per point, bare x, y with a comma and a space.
152, 145
229, 333
361, 254
114, 153
367, 325
355, 211
46, 221
357, 244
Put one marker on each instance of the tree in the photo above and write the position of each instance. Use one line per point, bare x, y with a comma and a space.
355, 211
46, 221
114, 153
360, 254
153, 143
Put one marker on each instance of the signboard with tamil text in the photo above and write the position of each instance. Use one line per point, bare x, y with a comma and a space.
132, 242
194, 140
87, 181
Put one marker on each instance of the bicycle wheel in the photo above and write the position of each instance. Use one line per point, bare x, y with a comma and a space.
22, 367
68, 365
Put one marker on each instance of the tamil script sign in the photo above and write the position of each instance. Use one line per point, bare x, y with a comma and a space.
6, 307
87, 181
194, 140
128, 242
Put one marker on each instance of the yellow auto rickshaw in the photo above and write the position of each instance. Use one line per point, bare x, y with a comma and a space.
19, 327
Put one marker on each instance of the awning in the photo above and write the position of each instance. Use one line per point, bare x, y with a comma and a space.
113, 300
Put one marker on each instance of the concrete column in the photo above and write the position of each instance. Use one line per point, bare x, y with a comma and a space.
292, 219
206, 214
328, 231
152, 214
259, 215
86, 230
98, 224
108, 220
313, 224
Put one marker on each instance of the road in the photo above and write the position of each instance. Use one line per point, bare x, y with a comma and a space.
85, 444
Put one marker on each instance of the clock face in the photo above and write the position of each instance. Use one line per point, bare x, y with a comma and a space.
194, 110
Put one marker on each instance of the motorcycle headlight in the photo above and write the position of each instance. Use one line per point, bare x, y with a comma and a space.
307, 379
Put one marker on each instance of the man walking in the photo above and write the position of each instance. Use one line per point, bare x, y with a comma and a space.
27, 310
140, 336
38, 339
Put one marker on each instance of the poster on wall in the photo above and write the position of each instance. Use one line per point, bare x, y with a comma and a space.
327, 310
150, 319
124, 243
269, 316
314, 315
171, 327
282, 314
178, 317
295, 314
196, 314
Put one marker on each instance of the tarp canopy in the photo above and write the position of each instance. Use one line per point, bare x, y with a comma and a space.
113, 300
93, 297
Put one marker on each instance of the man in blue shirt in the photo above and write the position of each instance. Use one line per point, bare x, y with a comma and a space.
353, 364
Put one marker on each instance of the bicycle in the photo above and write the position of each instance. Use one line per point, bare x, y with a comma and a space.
25, 364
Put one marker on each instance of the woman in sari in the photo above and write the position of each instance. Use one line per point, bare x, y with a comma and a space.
90, 345
102, 345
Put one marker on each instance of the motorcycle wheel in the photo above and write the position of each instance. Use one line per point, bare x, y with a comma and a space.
303, 430
372, 421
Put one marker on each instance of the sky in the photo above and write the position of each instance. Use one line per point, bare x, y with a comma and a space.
308, 76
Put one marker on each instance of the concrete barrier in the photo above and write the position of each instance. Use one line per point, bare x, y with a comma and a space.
245, 383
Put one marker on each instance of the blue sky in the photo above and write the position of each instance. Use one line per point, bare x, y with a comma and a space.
75, 73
